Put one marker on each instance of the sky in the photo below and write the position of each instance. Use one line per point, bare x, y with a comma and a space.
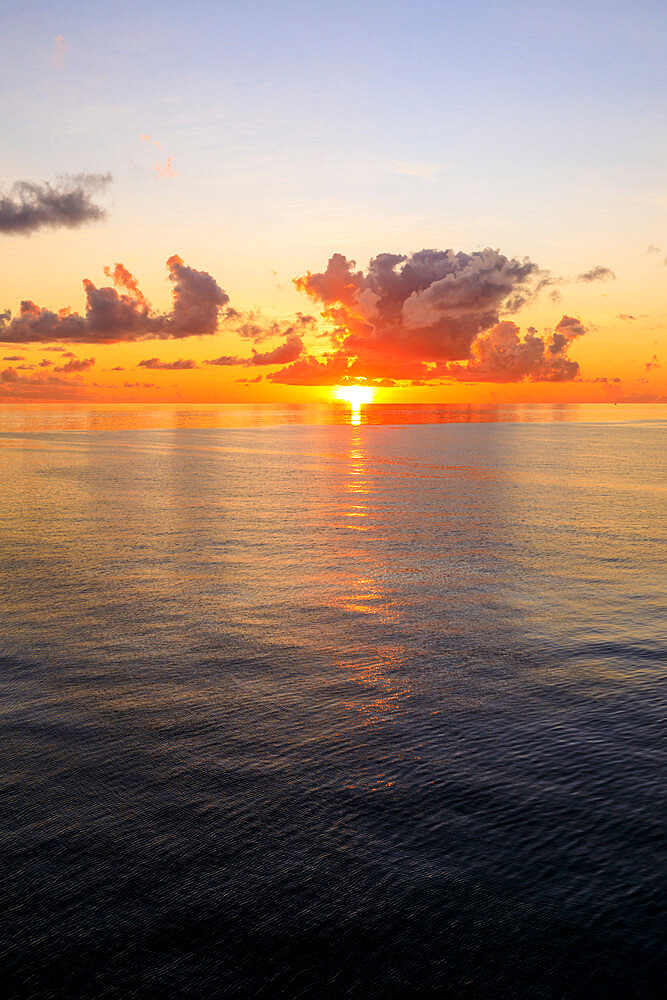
264, 201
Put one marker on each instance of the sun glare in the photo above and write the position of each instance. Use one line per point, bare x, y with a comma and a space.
355, 395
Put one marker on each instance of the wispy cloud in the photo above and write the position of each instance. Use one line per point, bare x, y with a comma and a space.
59, 52
181, 365
425, 170
597, 273
29, 206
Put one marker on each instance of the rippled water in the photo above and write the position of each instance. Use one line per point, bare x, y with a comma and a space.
305, 710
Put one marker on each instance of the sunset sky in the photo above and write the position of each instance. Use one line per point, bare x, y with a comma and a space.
447, 202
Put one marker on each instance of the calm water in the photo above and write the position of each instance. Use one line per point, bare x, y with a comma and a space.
317, 710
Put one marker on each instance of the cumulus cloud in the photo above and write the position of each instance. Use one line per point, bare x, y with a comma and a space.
181, 365
597, 273
29, 206
122, 312
433, 314
427, 306
502, 355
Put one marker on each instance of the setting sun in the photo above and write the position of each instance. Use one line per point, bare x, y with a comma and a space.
355, 395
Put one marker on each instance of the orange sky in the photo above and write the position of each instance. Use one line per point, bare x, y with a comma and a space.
523, 148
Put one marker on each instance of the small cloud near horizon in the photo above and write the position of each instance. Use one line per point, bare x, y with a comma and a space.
597, 273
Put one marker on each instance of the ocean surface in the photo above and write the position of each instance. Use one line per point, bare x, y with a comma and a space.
298, 702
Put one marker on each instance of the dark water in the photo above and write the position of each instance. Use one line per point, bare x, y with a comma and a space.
333, 711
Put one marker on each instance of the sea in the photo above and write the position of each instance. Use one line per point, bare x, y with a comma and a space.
311, 702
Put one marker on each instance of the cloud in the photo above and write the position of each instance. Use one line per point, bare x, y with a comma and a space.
225, 359
428, 306
652, 364
59, 51
75, 365
652, 248
285, 353
252, 325
312, 371
37, 386
166, 169
281, 355
431, 315
597, 273
502, 355
139, 385
180, 365
30, 206
15, 357
123, 313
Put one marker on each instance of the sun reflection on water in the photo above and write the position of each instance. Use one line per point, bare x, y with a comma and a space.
357, 396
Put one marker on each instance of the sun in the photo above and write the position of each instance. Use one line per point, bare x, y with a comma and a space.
355, 395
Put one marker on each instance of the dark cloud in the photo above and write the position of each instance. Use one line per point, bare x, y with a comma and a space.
252, 325
502, 355
75, 365
281, 355
225, 359
122, 313
15, 357
180, 365
428, 306
285, 353
30, 206
313, 371
432, 315
653, 363
250, 381
597, 273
